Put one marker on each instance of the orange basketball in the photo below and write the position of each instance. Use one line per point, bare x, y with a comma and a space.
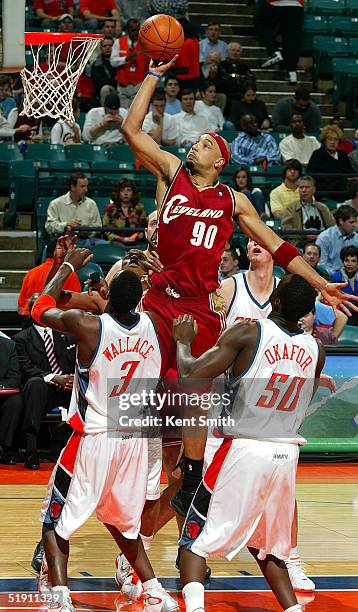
161, 37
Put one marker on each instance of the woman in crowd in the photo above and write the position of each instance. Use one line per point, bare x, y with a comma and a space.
249, 104
242, 181
125, 210
329, 159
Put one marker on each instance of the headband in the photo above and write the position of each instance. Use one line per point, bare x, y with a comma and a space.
222, 146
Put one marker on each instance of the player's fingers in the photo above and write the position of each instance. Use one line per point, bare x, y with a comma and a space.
345, 310
351, 305
87, 260
195, 327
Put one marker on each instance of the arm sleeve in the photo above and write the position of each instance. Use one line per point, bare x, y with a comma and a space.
6, 131
90, 122
272, 152
56, 134
285, 149
95, 216
53, 225
275, 203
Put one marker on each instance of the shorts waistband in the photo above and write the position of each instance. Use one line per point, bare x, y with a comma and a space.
161, 295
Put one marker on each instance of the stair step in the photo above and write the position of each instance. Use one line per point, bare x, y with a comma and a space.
253, 51
271, 75
12, 240
326, 109
284, 86
209, 8
8, 302
226, 18
17, 259
10, 280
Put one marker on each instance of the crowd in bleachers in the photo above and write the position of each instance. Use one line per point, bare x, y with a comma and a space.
82, 177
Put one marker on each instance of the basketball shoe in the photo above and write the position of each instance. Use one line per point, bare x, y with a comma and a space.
43, 583
299, 580
62, 601
156, 599
126, 579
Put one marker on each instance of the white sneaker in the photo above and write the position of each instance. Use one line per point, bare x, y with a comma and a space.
132, 587
123, 570
158, 600
275, 58
43, 583
299, 580
292, 77
61, 599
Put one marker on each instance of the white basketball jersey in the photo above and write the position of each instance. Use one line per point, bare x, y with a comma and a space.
244, 307
127, 359
269, 401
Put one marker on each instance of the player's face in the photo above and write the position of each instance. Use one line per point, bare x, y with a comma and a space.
257, 254
150, 232
134, 261
311, 255
203, 154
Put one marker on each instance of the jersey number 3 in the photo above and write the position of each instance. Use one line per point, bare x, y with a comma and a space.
282, 397
131, 367
203, 235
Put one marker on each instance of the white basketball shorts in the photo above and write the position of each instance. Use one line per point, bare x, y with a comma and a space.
154, 468
247, 498
98, 473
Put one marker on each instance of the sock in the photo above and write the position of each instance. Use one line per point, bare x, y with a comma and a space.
193, 595
296, 608
193, 474
294, 554
150, 584
147, 541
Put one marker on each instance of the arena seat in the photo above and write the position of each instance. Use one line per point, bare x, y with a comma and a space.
123, 155
352, 7
326, 7
84, 273
229, 135
87, 152
148, 203
353, 46
313, 25
22, 184
344, 72
45, 152
107, 254
41, 206
349, 336
325, 48
10, 152
343, 26
102, 203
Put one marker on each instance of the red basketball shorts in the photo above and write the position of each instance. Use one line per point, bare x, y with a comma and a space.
207, 310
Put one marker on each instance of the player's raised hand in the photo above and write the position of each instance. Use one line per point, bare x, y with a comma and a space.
328, 382
152, 262
185, 328
63, 245
162, 68
333, 295
97, 284
79, 258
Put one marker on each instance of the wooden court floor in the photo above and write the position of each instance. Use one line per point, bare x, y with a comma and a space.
328, 542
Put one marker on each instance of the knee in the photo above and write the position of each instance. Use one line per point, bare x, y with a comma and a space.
34, 384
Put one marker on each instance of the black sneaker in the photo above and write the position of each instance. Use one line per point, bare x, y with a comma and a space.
177, 562
181, 502
37, 557
32, 461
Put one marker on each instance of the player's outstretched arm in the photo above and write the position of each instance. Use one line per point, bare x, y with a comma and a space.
217, 359
284, 254
159, 162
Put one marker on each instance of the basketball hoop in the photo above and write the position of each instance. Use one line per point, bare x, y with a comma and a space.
59, 60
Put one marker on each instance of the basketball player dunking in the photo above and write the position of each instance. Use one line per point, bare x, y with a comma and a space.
195, 214
104, 466
272, 373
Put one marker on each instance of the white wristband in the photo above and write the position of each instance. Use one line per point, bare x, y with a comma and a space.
67, 263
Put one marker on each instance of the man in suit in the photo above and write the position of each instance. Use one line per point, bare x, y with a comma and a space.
47, 363
10, 402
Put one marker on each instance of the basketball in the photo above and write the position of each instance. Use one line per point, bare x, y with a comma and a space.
161, 37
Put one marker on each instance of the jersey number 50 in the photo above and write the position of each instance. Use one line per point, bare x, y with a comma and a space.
203, 235
277, 401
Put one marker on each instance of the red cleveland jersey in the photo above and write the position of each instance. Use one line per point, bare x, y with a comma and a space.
193, 229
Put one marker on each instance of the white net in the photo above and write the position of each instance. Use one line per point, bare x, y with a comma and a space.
50, 84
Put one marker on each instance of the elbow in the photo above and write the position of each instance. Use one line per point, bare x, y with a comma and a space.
129, 128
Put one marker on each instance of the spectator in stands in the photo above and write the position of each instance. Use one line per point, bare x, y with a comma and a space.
349, 274
307, 213
103, 125
35, 281
95, 12
249, 105
297, 145
212, 44
285, 18
66, 25
102, 72
187, 67
229, 263
47, 364
73, 210
131, 63
66, 133
11, 403
300, 103
125, 210
309, 326
287, 192
109, 29
311, 253
8, 131
49, 12
190, 124
207, 106
329, 160
242, 181
172, 89
33, 125
7, 102
333, 239
352, 186
175, 8
252, 146
233, 73
346, 144
158, 124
